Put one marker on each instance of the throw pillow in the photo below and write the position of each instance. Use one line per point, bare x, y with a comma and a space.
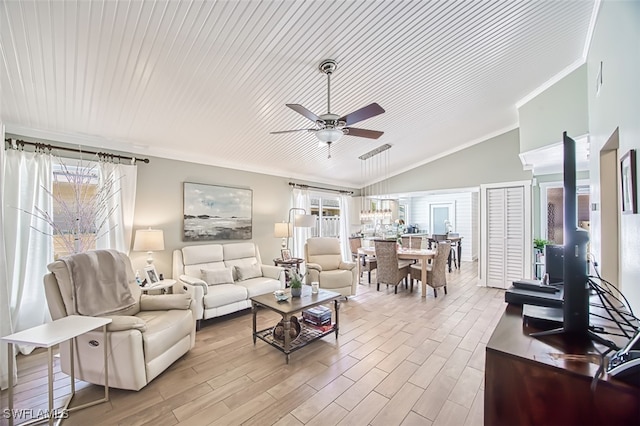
217, 276
248, 272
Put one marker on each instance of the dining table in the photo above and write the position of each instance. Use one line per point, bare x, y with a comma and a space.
423, 255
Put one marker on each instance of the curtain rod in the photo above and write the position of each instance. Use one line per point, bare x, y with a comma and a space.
299, 185
62, 148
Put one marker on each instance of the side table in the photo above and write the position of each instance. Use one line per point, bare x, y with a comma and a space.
47, 336
293, 263
164, 285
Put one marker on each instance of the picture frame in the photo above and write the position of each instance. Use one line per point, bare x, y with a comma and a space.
151, 274
628, 185
286, 254
214, 212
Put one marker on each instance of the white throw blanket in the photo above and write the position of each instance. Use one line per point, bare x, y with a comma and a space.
99, 282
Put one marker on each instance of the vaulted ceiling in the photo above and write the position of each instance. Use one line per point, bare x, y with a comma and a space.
207, 81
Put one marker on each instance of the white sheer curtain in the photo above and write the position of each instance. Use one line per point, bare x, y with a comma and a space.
6, 325
26, 179
121, 202
301, 200
345, 226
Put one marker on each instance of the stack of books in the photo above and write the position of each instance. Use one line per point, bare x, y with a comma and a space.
318, 316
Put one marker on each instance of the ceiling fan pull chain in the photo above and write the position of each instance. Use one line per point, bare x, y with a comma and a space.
328, 149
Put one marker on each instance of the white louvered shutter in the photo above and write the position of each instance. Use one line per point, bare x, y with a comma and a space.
505, 236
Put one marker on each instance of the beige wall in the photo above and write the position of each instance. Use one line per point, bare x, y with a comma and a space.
492, 161
615, 44
562, 107
159, 204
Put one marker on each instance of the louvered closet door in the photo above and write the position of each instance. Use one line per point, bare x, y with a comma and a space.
505, 236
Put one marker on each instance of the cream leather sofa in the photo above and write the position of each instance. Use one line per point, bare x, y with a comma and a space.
325, 265
222, 277
144, 339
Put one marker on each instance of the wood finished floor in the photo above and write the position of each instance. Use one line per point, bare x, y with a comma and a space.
399, 360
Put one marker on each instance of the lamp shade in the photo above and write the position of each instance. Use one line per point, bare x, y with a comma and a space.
282, 230
329, 135
305, 220
149, 240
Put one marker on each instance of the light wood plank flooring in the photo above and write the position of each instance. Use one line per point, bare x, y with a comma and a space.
399, 360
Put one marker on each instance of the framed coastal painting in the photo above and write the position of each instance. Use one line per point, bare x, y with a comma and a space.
213, 212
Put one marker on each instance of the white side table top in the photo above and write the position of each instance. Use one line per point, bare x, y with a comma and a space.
160, 285
50, 334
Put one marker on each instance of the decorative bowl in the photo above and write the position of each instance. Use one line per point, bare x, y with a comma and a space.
281, 296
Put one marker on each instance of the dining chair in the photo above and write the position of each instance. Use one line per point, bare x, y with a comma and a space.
436, 271
454, 249
412, 242
391, 270
367, 263
445, 237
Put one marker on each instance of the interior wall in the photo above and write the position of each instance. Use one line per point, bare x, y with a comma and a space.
159, 201
562, 107
616, 105
465, 219
492, 161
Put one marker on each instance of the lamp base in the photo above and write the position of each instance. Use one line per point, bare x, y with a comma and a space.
150, 258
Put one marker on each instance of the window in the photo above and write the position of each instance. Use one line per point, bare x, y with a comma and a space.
327, 210
75, 203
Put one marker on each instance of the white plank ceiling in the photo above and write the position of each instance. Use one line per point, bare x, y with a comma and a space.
206, 81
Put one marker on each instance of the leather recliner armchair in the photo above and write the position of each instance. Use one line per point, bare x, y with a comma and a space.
144, 338
325, 265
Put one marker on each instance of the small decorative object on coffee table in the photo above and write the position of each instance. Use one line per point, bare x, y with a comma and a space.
295, 282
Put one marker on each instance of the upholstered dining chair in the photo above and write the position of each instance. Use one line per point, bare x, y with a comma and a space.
391, 270
367, 263
436, 271
412, 242
445, 237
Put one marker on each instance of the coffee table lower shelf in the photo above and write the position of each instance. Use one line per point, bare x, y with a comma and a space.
306, 336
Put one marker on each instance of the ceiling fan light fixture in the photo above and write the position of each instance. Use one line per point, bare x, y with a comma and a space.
329, 135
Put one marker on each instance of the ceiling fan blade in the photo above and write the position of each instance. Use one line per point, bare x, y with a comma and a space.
363, 133
369, 111
303, 111
291, 131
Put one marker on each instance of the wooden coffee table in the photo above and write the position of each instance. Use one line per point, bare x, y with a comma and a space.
287, 309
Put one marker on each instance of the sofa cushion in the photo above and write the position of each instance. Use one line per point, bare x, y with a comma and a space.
217, 276
260, 285
224, 294
202, 254
247, 272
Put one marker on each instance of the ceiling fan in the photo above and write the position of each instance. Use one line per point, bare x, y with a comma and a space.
330, 127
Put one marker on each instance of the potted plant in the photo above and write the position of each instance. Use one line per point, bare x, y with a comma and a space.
539, 243
295, 282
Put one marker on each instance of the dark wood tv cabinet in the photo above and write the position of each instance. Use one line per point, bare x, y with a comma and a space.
547, 381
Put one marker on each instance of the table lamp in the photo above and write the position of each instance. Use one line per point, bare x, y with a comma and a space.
149, 240
283, 230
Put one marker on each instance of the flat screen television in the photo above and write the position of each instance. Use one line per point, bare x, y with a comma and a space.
574, 262
575, 308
